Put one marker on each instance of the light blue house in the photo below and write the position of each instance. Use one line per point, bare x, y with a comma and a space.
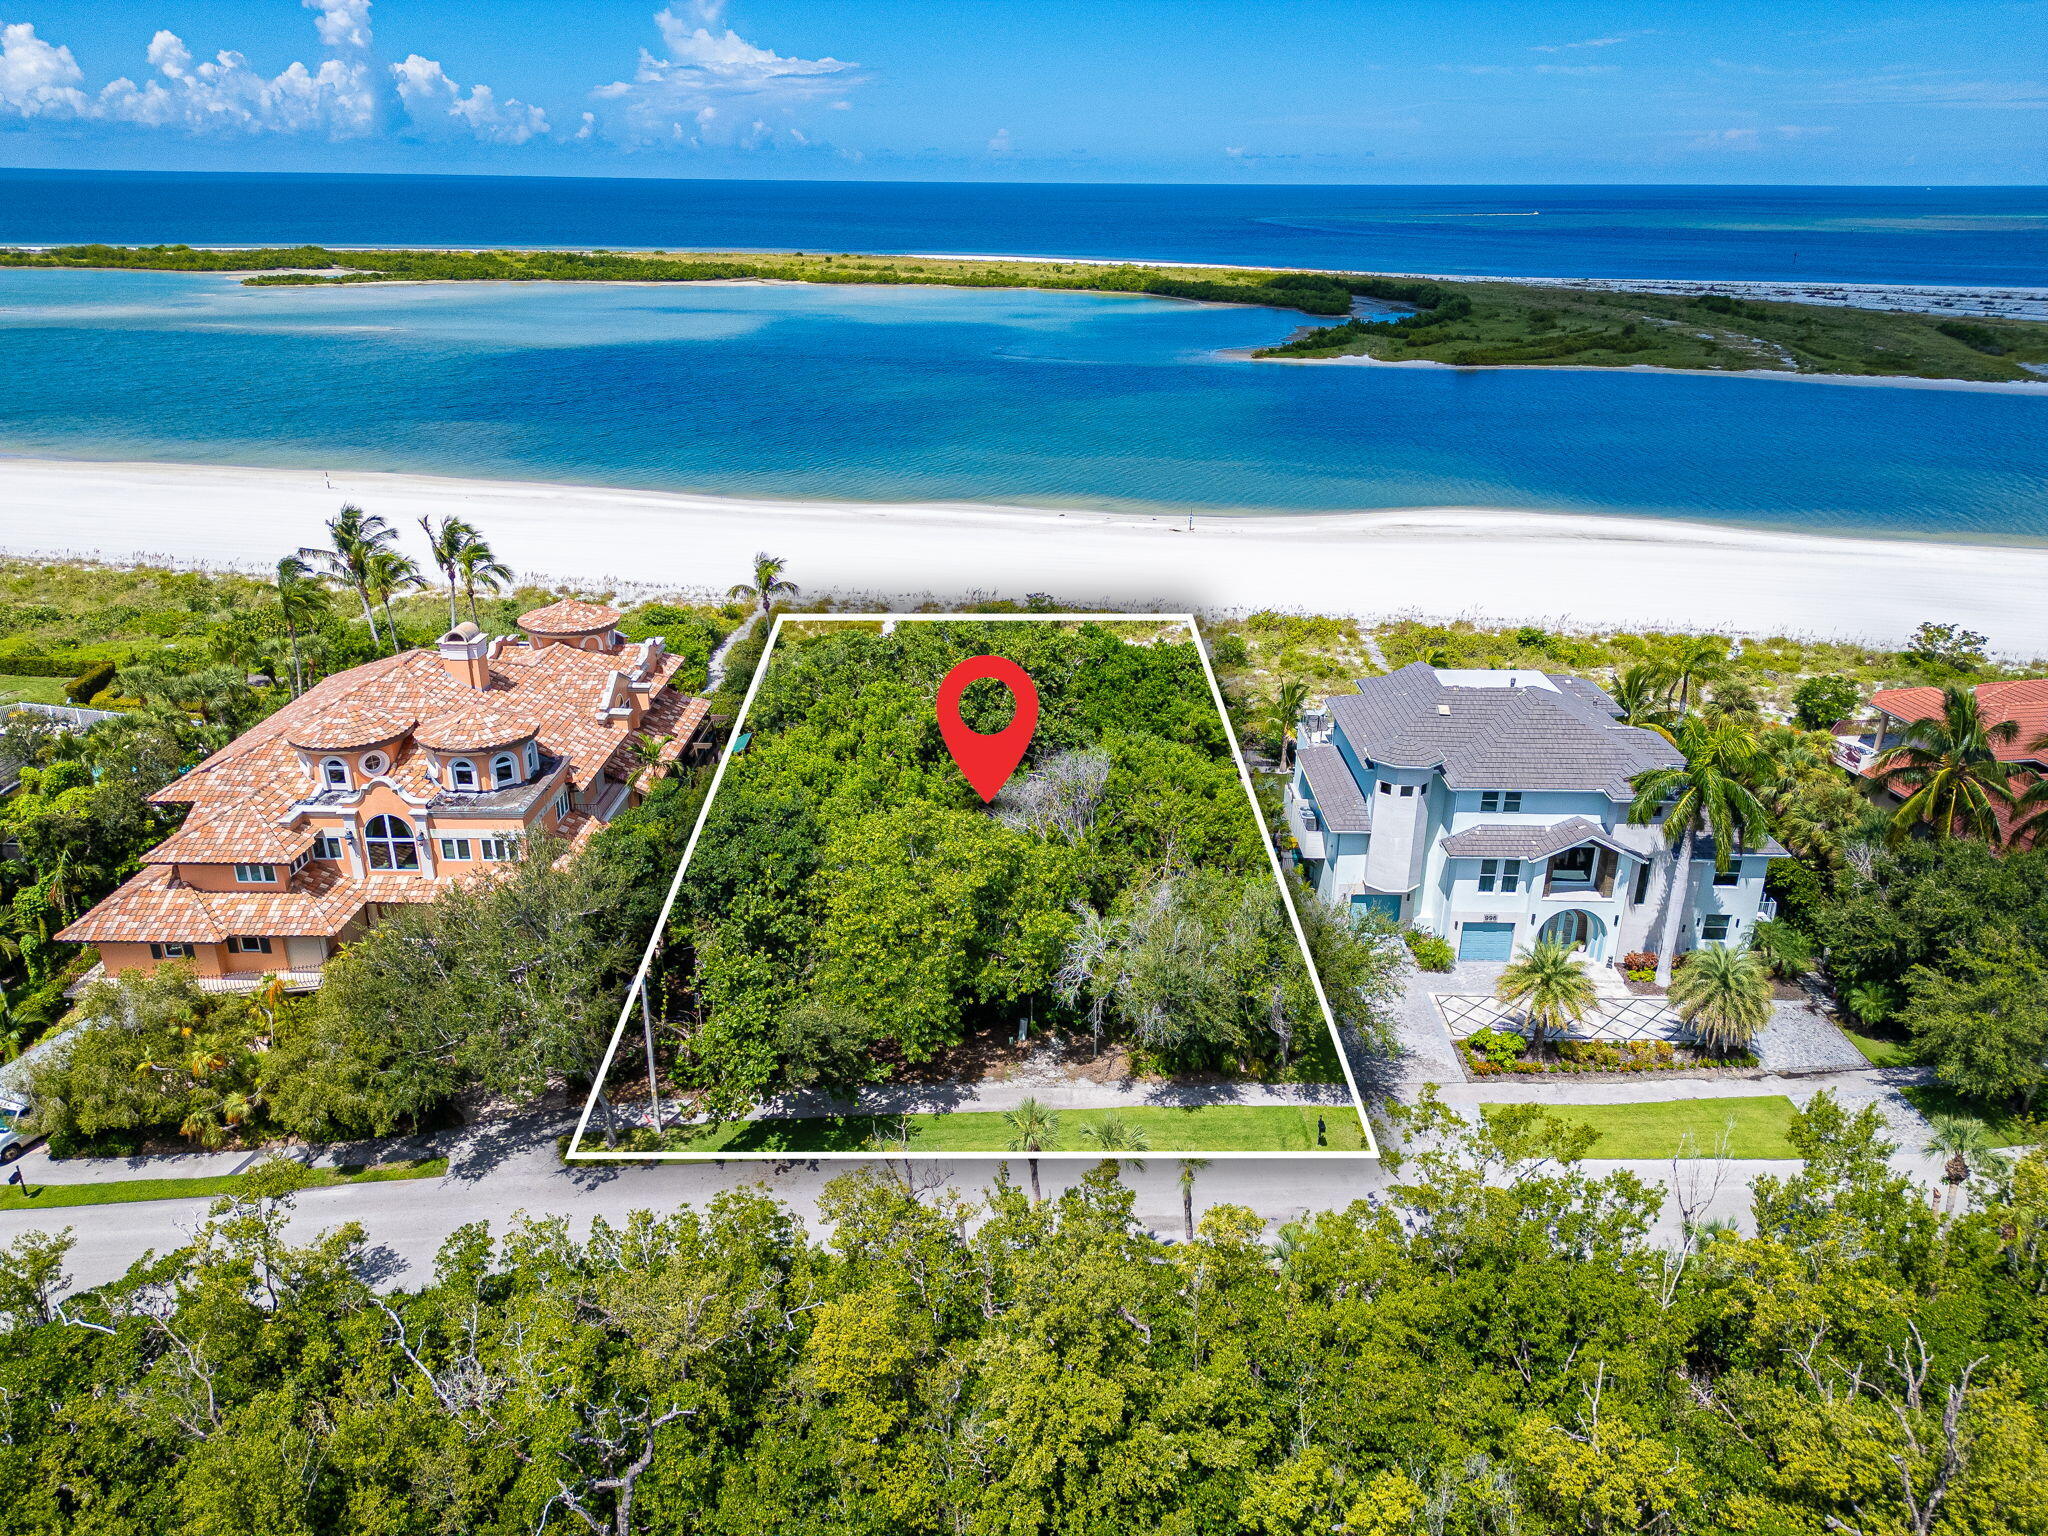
1491, 807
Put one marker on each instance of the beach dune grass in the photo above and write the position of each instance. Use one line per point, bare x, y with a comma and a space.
1205, 1128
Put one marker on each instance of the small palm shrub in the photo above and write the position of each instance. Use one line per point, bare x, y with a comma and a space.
1499, 1046
1784, 949
1724, 996
1432, 951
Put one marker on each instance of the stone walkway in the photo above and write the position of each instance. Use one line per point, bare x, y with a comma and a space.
963, 1098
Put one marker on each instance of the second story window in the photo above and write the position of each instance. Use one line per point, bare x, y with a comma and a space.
462, 774
1496, 801
388, 841
249, 944
325, 846
334, 773
499, 849
504, 770
1500, 874
455, 849
256, 874
170, 951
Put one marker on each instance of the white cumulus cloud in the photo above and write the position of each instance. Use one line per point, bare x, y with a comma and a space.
714, 87
437, 105
38, 78
341, 23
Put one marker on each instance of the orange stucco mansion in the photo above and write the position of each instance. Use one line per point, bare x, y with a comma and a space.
383, 783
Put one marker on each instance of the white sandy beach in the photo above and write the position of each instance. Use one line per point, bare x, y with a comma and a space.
1518, 566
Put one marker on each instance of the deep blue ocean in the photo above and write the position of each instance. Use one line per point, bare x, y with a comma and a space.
1051, 399
1955, 235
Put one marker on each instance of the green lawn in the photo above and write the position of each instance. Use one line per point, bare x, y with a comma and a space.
2007, 1129
33, 690
120, 1191
1211, 1128
1880, 1052
1755, 1127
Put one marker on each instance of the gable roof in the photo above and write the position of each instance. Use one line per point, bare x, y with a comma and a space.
1526, 840
1499, 738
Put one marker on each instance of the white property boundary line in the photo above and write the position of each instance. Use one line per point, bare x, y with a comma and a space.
577, 1153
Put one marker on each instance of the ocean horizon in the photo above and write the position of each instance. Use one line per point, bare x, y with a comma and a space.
1957, 236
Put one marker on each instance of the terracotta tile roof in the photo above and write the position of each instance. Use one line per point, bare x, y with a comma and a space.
232, 837
569, 617
477, 726
321, 900
356, 723
2024, 701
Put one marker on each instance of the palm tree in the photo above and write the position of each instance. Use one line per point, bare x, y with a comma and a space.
1644, 694
1033, 1128
1189, 1167
1784, 950
387, 571
476, 566
1706, 793
357, 536
1551, 984
1113, 1133
1949, 763
1283, 713
1698, 661
1724, 996
768, 584
1968, 1145
300, 601
444, 548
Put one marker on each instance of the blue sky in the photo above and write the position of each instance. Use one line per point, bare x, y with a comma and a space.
1851, 91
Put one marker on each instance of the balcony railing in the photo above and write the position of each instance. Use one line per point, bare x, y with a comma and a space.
240, 983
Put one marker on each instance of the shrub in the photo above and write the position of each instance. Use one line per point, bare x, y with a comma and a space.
1498, 1046
91, 682
1639, 960
1229, 651
1432, 951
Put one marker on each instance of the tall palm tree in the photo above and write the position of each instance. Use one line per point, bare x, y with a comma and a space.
357, 536
300, 601
1967, 1144
1700, 660
444, 548
476, 566
768, 583
1724, 996
1948, 767
1706, 793
1189, 1167
387, 571
1551, 984
1284, 712
1033, 1128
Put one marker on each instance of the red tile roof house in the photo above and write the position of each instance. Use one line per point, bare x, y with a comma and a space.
2024, 701
383, 783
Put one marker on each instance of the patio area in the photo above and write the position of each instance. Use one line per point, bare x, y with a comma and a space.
1617, 1018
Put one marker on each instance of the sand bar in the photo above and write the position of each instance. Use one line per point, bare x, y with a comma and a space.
1509, 565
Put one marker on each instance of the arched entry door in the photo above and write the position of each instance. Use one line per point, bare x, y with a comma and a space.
1579, 929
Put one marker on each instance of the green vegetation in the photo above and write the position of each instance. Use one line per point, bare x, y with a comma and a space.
1882, 1052
2001, 1127
1490, 324
1732, 1127
854, 912
1467, 324
1494, 1345
1204, 1128
39, 1197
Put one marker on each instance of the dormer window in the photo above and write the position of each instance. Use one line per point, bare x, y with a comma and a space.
375, 763
334, 773
462, 774
532, 758
504, 770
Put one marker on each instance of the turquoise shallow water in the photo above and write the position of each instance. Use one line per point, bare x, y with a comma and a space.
934, 394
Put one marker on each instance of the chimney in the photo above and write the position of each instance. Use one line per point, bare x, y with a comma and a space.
466, 653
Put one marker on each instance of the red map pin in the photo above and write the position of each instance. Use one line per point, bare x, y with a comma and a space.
988, 761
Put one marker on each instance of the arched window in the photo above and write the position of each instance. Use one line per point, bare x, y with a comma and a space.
462, 774
390, 844
504, 770
532, 758
334, 773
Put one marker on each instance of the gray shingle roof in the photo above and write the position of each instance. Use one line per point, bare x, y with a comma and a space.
1526, 840
1338, 800
1498, 738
